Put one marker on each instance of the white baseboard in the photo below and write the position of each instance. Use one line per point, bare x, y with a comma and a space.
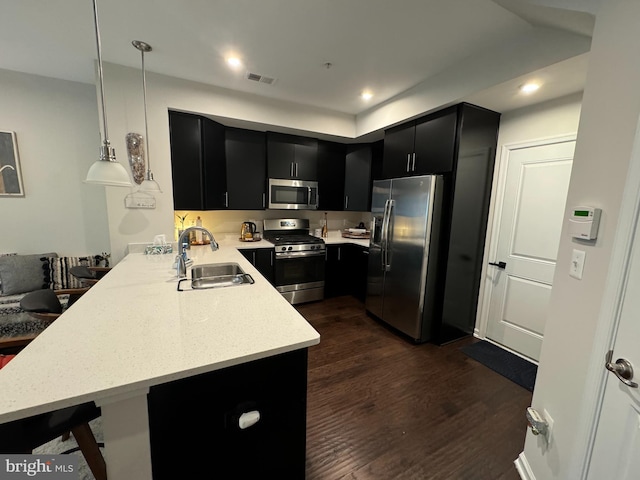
523, 468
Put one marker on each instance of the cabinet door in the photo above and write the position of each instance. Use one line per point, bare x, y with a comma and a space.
331, 174
435, 144
213, 402
264, 262
306, 159
335, 282
398, 149
357, 183
245, 152
292, 156
215, 169
186, 161
357, 264
280, 155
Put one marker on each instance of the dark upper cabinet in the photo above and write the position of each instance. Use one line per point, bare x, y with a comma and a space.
246, 164
197, 162
331, 175
434, 146
357, 178
398, 149
292, 157
377, 154
422, 146
215, 168
187, 169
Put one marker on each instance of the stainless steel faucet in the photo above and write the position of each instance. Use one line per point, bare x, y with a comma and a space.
182, 260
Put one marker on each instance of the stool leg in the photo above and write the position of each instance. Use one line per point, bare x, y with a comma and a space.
91, 451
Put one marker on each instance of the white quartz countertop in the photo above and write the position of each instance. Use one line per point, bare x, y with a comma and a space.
133, 330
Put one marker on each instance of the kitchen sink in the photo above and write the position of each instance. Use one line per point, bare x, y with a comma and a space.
217, 275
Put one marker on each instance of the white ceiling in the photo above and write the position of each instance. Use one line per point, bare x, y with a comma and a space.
386, 46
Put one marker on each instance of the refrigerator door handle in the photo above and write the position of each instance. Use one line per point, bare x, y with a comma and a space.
388, 238
383, 236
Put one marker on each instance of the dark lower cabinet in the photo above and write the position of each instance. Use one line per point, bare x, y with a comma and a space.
335, 271
194, 422
359, 264
262, 259
346, 270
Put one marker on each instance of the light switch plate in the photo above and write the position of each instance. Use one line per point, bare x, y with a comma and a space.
577, 263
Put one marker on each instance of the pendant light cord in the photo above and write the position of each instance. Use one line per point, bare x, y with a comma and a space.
104, 111
146, 127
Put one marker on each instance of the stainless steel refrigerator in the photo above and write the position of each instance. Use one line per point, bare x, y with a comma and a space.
402, 283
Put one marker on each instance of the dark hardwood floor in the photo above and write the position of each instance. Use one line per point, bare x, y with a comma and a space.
381, 407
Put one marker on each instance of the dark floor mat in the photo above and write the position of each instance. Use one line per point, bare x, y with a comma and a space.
516, 369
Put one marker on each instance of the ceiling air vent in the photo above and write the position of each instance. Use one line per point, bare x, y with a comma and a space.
260, 78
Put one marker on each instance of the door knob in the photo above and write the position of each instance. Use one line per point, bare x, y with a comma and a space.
621, 369
537, 423
501, 265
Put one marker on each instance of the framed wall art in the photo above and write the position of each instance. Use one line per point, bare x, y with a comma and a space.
10, 173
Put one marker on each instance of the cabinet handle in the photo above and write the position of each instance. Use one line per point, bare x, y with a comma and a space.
254, 258
264, 200
271, 255
346, 202
291, 170
226, 199
338, 253
408, 160
413, 165
295, 169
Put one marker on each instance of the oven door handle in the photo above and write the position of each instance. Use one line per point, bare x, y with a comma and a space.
315, 253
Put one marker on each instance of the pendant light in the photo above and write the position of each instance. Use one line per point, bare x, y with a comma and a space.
148, 185
107, 170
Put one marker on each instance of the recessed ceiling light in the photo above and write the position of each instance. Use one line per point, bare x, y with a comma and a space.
234, 62
366, 95
529, 87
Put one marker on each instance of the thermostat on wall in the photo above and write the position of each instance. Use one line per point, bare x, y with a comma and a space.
584, 222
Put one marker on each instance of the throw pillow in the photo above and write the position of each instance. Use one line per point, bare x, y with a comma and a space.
57, 271
23, 273
5, 255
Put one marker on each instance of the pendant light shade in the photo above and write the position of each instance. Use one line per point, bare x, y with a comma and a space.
107, 170
148, 185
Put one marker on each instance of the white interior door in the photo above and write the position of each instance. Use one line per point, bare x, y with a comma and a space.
617, 442
532, 209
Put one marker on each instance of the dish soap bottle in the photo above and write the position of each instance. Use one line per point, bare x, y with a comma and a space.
199, 232
325, 229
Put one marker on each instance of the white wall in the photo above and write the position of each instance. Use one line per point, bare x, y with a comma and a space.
608, 121
554, 118
56, 124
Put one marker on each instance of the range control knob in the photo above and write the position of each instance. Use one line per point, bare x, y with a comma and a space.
290, 248
283, 248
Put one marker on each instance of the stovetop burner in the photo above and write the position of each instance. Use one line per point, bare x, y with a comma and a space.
291, 235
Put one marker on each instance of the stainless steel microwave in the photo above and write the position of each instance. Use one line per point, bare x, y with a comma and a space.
293, 194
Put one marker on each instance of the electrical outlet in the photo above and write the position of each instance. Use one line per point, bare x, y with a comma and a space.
577, 263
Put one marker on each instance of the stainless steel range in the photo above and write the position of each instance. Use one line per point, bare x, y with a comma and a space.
299, 262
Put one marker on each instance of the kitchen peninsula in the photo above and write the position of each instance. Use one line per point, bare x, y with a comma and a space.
133, 335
